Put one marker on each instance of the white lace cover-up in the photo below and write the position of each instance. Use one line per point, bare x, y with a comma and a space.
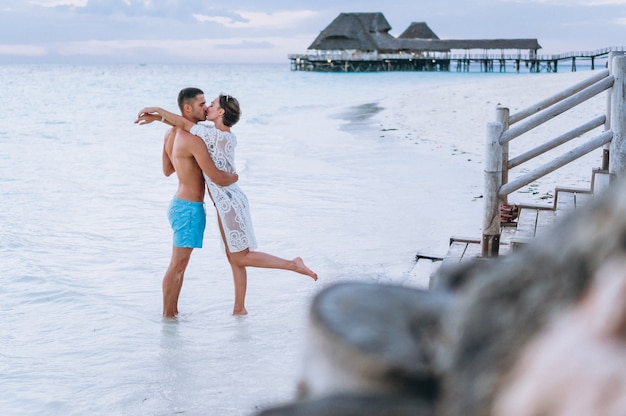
230, 201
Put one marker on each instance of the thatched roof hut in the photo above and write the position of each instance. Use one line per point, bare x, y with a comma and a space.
360, 31
418, 30
370, 32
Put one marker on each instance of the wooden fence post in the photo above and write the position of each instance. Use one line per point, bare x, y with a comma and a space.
606, 150
502, 117
617, 157
493, 182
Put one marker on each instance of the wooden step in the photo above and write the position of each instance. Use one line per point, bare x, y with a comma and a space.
568, 199
462, 248
465, 248
600, 180
532, 221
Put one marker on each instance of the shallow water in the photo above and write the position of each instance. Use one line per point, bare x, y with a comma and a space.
331, 176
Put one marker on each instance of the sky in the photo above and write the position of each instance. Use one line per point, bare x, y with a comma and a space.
266, 31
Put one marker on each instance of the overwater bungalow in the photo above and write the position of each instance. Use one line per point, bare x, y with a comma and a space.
361, 42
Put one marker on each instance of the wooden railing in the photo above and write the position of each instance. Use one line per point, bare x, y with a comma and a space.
316, 55
575, 54
508, 127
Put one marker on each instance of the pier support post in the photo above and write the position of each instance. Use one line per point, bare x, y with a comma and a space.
493, 183
617, 157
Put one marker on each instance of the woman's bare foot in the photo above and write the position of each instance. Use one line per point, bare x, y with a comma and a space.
302, 269
240, 311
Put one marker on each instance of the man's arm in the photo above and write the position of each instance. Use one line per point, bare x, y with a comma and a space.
199, 151
149, 114
168, 144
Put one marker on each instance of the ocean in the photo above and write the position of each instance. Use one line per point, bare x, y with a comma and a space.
333, 174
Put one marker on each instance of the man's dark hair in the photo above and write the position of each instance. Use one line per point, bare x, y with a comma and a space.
186, 95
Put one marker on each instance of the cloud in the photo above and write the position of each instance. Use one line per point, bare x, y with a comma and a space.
246, 44
23, 50
201, 31
249, 20
236, 49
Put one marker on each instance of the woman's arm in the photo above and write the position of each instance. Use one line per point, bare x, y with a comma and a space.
201, 154
149, 114
199, 151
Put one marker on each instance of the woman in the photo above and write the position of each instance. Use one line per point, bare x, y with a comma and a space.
230, 202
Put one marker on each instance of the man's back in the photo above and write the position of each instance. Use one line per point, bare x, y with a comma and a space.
190, 179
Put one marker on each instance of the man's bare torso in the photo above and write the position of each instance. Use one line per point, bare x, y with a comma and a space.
190, 179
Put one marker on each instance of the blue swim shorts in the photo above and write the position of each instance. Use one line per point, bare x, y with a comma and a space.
188, 220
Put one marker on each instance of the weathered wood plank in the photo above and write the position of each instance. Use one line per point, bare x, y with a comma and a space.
582, 198
508, 232
601, 181
617, 157
455, 252
526, 227
565, 202
472, 251
518, 242
504, 249
545, 219
526, 223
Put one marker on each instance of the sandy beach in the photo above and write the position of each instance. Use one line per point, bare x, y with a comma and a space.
455, 117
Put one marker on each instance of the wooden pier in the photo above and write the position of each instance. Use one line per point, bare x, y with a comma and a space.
378, 62
362, 42
532, 221
521, 223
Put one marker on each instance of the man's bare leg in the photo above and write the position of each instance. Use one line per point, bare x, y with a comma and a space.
173, 280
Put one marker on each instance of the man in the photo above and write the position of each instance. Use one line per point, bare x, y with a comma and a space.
186, 155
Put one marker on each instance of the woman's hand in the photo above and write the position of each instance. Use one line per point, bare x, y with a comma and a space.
149, 110
147, 115
147, 118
